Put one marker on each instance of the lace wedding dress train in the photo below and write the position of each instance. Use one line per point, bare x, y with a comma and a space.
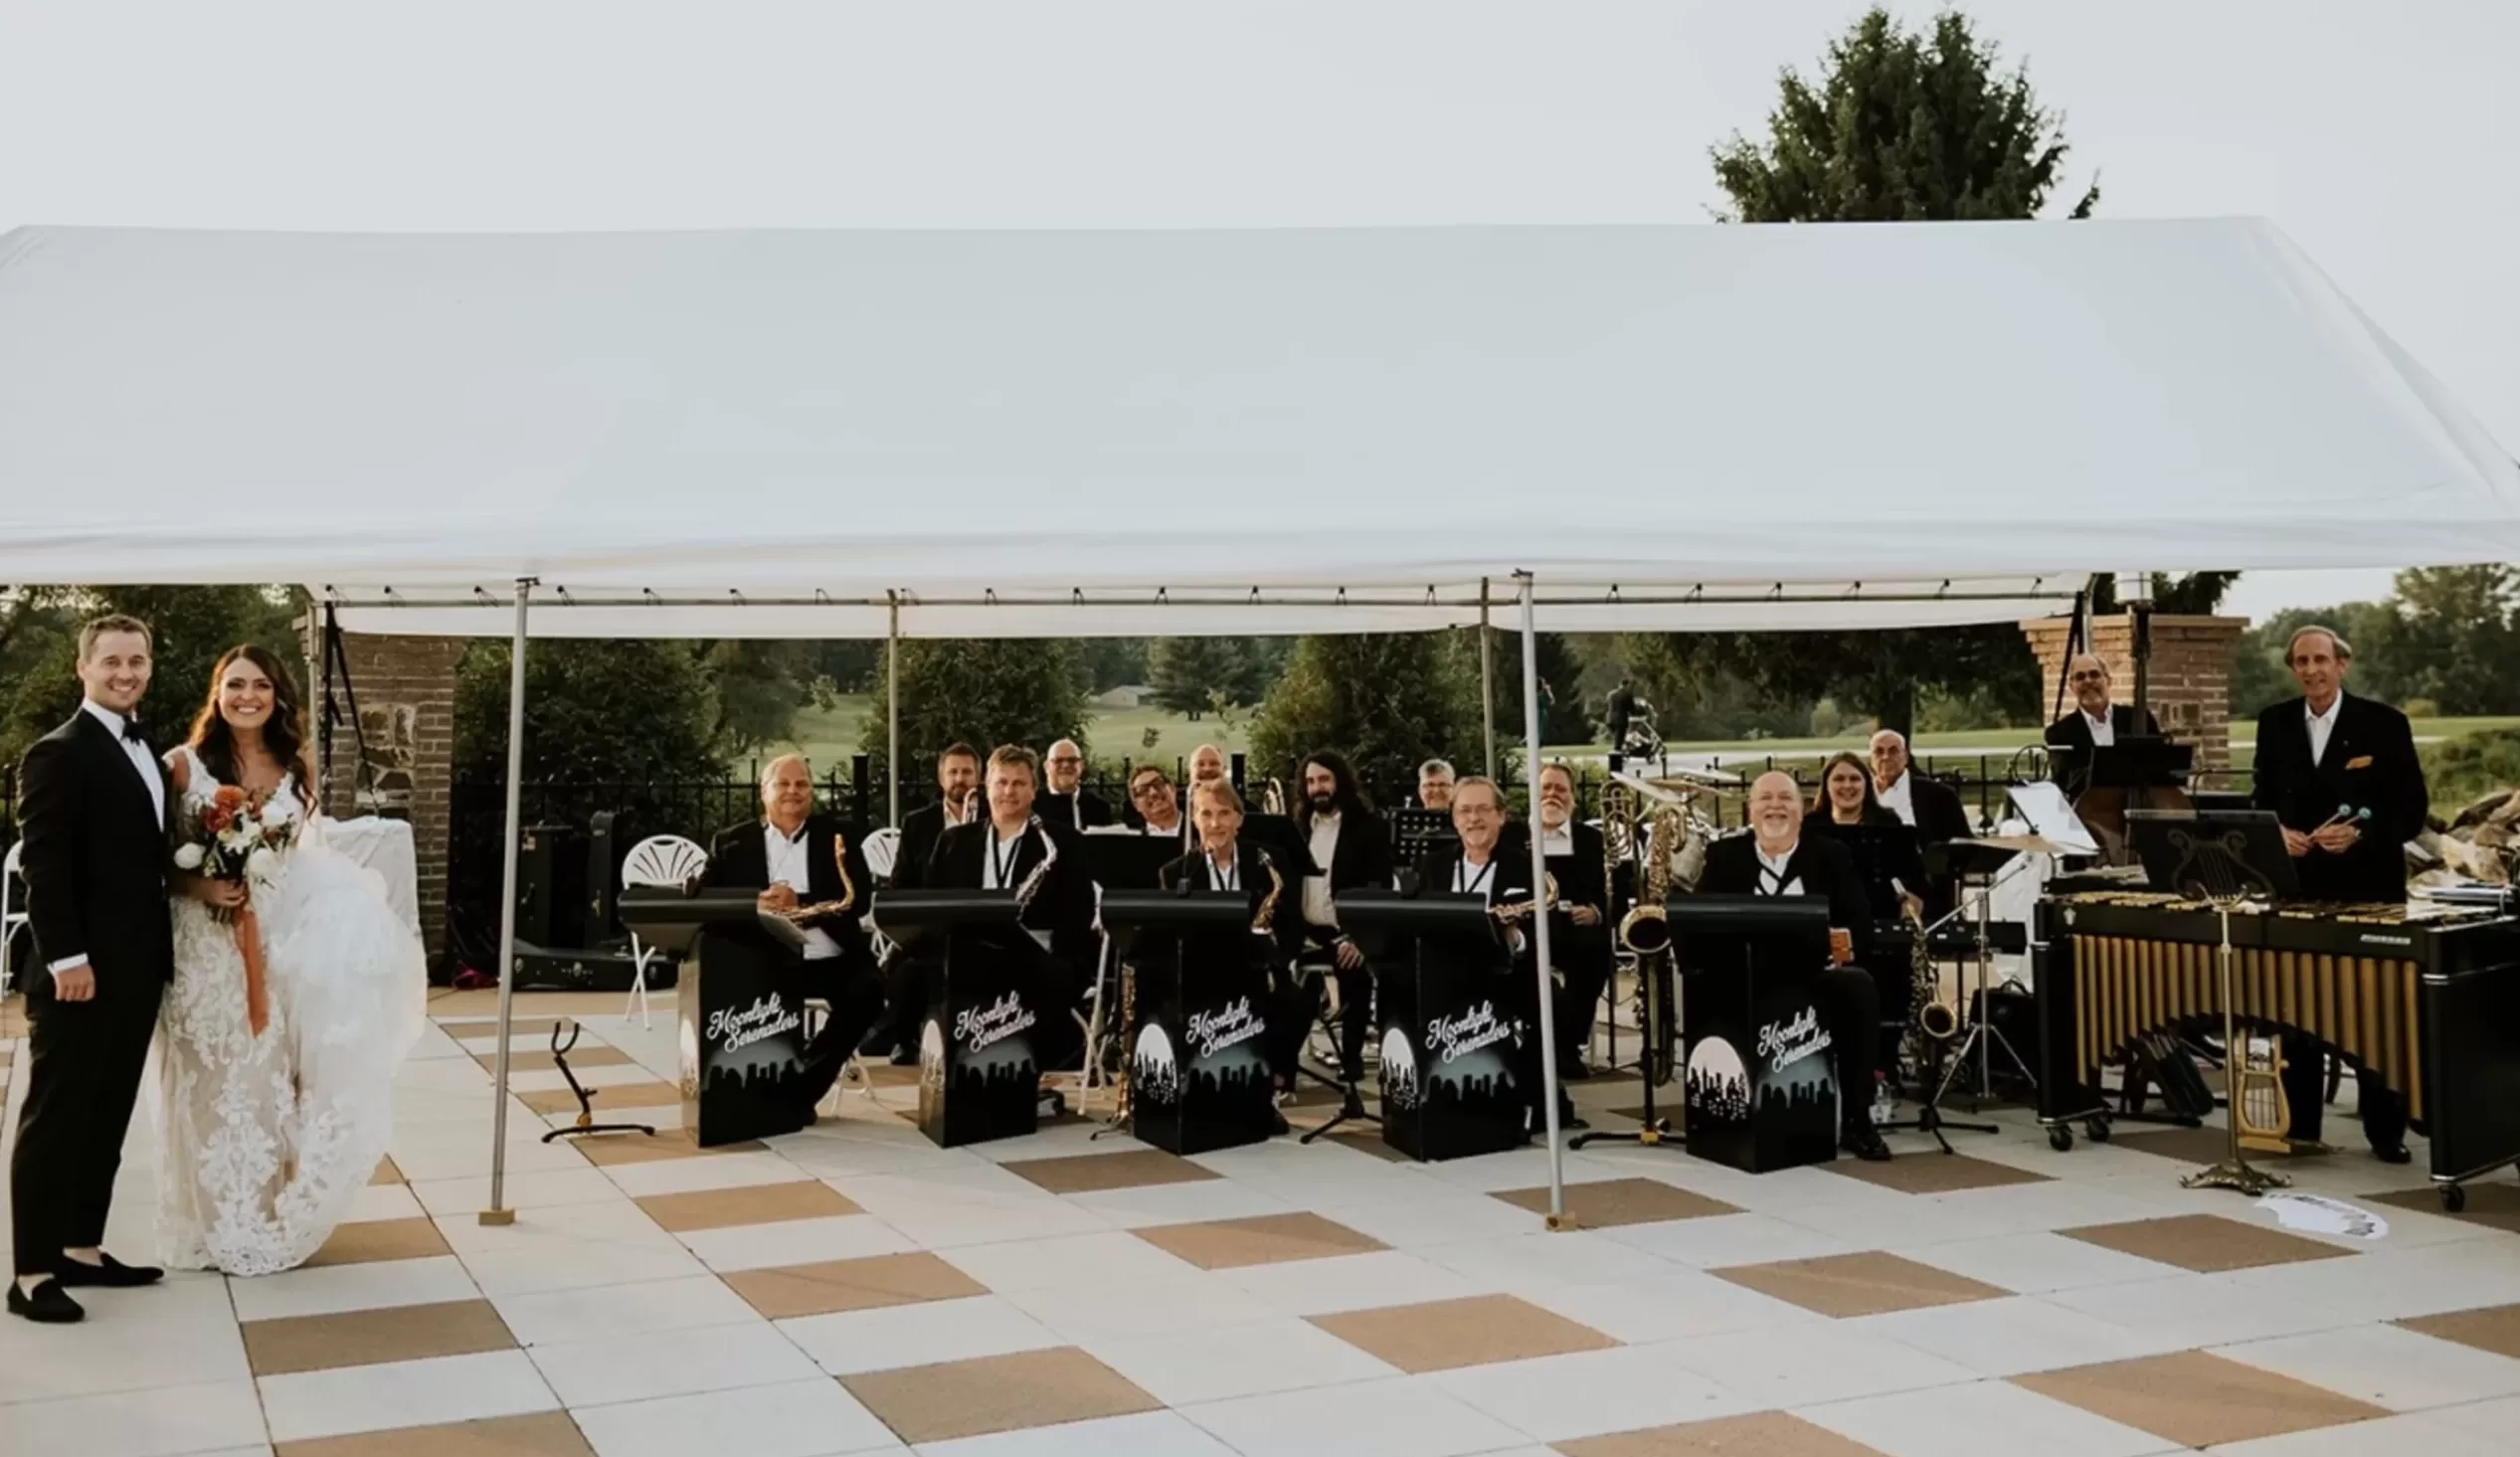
269, 1138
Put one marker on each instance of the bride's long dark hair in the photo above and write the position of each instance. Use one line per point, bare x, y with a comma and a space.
284, 734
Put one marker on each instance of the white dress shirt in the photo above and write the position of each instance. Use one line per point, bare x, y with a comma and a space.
2103, 736
1773, 879
2322, 725
789, 866
1173, 831
1901, 799
1226, 875
1472, 882
1318, 907
144, 766
997, 859
1558, 841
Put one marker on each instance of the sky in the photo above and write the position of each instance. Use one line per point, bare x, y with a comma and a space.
2379, 136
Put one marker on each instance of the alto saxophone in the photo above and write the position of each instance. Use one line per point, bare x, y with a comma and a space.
1032, 882
1266, 917
848, 889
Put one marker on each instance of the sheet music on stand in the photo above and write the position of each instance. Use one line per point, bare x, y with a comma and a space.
1414, 828
2042, 806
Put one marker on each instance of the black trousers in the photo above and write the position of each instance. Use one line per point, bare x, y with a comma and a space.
854, 990
1851, 1010
2384, 1110
84, 1060
898, 1024
1585, 964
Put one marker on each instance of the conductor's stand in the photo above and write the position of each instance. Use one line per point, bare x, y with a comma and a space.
980, 1073
1196, 1016
741, 1009
1459, 1024
1761, 1083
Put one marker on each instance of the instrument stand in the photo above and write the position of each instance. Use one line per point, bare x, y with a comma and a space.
2235, 1172
1351, 1103
1652, 1129
1983, 1034
586, 1123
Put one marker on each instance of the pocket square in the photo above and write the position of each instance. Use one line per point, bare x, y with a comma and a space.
2359, 761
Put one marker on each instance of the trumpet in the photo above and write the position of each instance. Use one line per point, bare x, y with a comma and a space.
1273, 799
848, 889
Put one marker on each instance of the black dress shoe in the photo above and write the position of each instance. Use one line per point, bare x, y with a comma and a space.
49, 1305
2391, 1153
111, 1274
1573, 1069
1863, 1140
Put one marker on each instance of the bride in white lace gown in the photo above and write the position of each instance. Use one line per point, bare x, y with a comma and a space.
269, 1135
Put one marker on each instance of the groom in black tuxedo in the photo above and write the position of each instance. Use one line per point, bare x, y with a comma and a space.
94, 855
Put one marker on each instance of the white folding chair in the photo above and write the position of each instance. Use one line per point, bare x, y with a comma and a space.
12, 915
882, 848
666, 860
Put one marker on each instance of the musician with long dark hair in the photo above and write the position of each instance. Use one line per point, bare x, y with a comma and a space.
1350, 847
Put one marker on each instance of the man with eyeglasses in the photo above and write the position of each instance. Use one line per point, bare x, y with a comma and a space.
1159, 808
1065, 799
2095, 722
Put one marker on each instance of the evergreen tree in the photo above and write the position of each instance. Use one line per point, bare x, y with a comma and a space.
984, 692
1386, 701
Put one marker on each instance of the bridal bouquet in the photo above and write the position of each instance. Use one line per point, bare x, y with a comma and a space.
236, 838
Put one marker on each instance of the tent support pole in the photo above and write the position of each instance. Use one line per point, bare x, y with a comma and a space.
1487, 680
498, 1212
892, 697
1539, 923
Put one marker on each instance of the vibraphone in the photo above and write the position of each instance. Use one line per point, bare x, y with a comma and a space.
2430, 1000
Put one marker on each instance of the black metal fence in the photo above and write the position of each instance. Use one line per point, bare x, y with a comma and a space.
699, 808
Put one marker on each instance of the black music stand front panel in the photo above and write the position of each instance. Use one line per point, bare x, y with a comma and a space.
1761, 1081
742, 1035
1460, 1025
1199, 1074
980, 1077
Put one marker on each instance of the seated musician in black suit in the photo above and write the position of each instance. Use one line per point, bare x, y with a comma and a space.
796, 857
1580, 930
1066, 801
1226, 861
1350, 847
1155, 809
2095, 721
1482, 860
2341, 773
1777, 858
1934, 808
957, 801
1013, 848
1893, 877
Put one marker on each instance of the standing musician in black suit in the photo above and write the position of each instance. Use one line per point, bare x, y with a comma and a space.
788, 856
1934, 808
1067, 801
1226, 861
2095, 721
1777, 858
1481, 859
958, 800
1007, 849
1580, 930
1350, 847
2341, 773
94, 816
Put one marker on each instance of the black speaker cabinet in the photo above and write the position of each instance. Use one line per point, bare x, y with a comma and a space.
540, 853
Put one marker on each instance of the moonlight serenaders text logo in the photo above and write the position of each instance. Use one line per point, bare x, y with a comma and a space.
1450, 1038
1400, 1070
768, 1016
978, 1027
1719, 1086
1211, 1032
1154, 1074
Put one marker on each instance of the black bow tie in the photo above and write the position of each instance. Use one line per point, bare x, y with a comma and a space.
132, 730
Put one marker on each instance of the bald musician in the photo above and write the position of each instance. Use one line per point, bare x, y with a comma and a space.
1207, 762
1064, 796
1777, 858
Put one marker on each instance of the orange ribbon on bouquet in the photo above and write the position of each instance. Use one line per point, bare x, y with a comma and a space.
258, 1007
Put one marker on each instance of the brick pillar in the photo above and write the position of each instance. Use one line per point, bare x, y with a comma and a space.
406, 687
2187, 685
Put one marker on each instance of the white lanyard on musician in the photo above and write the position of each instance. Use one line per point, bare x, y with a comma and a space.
998, 869
1467, 882
1226, 876
1773, 879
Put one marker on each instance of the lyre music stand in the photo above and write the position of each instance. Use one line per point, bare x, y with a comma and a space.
1656, 975
2225, 860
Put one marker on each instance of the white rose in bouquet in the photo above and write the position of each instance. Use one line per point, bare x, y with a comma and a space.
187, 857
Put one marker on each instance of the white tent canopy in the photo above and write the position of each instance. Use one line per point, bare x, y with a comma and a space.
1046, 433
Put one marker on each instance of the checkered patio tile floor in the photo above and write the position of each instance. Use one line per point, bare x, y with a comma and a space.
852, 1288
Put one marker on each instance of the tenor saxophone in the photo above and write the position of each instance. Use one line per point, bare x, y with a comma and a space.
1032, 882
